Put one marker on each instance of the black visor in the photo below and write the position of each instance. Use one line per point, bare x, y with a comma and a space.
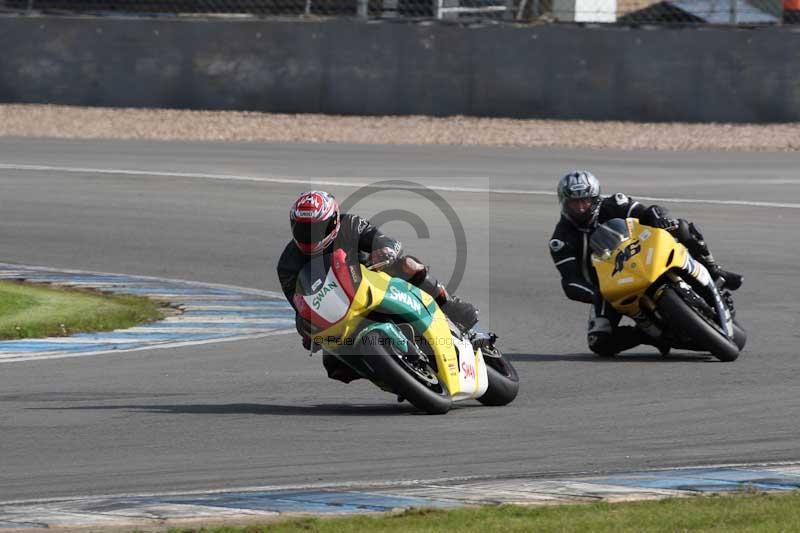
586, 216
313, 233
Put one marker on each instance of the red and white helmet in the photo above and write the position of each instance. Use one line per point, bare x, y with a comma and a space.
315, 221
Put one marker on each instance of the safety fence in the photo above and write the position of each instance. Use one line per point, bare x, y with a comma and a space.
633, 12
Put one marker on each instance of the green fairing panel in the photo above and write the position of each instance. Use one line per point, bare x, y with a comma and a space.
404, 301
389, 329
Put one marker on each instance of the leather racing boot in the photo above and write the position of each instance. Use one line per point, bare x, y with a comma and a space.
622, 338
463, 314
730, 280
338, 370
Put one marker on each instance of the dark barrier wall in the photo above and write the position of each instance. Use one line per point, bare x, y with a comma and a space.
344, 67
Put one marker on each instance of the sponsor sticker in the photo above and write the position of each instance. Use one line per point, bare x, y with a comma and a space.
317, 301
405, 298
468, 370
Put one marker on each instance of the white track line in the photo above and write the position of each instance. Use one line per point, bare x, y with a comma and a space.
194, 331
327, 181
229, 307
207, 319
45, 355
243, 290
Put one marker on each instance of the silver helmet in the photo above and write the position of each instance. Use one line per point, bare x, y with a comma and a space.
579, 196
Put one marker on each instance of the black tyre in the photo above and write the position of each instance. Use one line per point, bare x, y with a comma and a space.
739, 335
418, 385
701, 332
503, 380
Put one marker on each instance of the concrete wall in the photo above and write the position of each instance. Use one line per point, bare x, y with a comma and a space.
344, 67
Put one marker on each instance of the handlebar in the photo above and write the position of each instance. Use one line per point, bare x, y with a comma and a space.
377, 267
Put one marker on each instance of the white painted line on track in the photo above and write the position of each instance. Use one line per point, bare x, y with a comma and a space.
219, 320
222, 298
49, 355
204, 330
226, 307
336, 182
741, 203
245, 290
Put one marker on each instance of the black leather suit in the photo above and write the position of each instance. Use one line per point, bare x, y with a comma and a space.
569, 247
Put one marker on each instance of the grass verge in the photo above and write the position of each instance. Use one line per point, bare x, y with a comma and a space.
37, 310
756, 512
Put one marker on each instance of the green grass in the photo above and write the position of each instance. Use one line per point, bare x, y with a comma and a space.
38, 310
740, 513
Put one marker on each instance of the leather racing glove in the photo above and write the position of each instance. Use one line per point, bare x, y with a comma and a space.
384, 255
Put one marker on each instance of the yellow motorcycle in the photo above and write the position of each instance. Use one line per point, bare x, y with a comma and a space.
646, 274
395, 335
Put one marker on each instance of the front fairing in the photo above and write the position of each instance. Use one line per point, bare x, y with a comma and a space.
635, 264
335, 294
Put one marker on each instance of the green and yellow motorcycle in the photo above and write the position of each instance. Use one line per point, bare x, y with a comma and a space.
395, 335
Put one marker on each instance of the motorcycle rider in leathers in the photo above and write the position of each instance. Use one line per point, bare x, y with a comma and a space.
582, 209
318, 228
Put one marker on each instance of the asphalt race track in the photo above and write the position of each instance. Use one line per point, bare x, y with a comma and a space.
261, 412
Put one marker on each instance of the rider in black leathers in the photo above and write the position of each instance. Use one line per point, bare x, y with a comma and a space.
582, 209
318, 228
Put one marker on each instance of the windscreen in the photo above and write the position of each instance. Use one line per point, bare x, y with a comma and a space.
608, 236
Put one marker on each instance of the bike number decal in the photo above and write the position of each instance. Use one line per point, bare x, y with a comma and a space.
624, 255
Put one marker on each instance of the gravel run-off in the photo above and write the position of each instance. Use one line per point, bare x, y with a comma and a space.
164, 124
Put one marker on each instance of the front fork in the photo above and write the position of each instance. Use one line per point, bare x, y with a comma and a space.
482, 340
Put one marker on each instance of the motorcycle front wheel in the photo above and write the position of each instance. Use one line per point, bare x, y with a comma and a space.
503, 379
414, 381
700, 330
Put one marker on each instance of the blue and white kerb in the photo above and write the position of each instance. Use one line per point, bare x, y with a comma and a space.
204, 313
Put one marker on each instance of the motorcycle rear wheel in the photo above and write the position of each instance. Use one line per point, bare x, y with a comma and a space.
688, 321
421, 393
503, 380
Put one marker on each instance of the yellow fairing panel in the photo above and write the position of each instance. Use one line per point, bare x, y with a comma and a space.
369, 295
440, 338
636, 264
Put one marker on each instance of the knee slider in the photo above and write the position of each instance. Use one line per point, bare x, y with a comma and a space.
599, 336
600, 324
601, 343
